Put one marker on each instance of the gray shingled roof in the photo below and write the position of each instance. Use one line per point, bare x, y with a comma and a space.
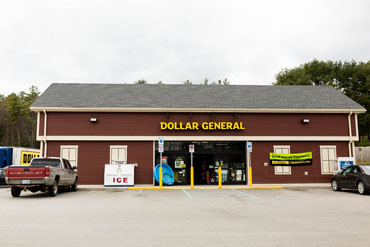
82, 95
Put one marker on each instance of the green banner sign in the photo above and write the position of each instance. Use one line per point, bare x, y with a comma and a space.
290, 159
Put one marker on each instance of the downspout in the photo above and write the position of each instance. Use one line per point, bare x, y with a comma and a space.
45, 143
357, 136
350, 134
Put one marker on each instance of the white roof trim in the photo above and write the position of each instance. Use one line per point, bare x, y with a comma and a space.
198, 138
241, 110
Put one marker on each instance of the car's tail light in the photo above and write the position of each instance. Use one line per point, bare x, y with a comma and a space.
6, 172
47, 172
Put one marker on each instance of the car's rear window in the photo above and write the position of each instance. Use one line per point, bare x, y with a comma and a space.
45, 162
366, 169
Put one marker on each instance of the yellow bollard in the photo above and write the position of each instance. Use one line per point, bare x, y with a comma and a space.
160, 177
192, 177
250, 176
219, 178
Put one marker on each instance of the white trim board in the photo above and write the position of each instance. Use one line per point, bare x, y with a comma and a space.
210, 110
38, 124
197, 138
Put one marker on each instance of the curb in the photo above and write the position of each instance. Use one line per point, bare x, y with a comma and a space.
207, 188
114, 189
258, 187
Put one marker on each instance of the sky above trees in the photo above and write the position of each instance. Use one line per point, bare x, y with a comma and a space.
248, 42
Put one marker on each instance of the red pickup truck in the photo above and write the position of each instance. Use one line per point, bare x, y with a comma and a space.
43, 174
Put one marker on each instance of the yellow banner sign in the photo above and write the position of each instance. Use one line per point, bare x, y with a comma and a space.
203, 126
300, 156
291, 159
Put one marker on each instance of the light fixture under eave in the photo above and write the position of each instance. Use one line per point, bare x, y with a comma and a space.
305, 121
93, 120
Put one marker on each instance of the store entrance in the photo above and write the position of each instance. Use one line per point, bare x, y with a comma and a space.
203, 172
208, 156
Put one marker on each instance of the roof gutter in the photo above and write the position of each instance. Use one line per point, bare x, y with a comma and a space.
233, 110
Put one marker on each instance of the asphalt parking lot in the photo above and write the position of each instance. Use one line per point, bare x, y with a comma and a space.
304, 217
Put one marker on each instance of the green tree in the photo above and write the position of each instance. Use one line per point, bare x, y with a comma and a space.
29, 120
350, 77
2, 119
187, 82
141, 81
17, 122
226, 82
218, 82
13, 114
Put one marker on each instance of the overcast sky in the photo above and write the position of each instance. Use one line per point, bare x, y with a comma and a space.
248, 42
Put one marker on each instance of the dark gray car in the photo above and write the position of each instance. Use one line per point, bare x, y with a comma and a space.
2, 176
353, 177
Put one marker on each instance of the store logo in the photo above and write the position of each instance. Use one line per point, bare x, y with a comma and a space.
203, 126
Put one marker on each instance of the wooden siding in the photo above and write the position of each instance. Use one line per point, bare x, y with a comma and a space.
148, 124
265, 174
92, 157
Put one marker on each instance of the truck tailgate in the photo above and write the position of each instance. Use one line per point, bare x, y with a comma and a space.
26, 172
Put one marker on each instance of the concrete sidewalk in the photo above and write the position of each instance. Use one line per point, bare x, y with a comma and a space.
207, 187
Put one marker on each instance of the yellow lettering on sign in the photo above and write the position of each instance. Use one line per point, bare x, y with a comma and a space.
163, 125
275, 162
204, 126
211, 125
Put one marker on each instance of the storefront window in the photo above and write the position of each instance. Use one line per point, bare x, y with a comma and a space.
206, 159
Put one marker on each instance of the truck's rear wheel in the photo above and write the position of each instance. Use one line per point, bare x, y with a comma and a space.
75, 185
53, 190
16, 191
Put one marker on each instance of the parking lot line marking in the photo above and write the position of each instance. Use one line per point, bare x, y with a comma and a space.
246, 194
186, 193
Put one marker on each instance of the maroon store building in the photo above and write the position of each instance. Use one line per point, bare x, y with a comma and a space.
97, 124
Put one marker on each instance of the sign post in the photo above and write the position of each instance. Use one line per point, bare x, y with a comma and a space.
220, 176
191, 150
160, 150
249, 154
